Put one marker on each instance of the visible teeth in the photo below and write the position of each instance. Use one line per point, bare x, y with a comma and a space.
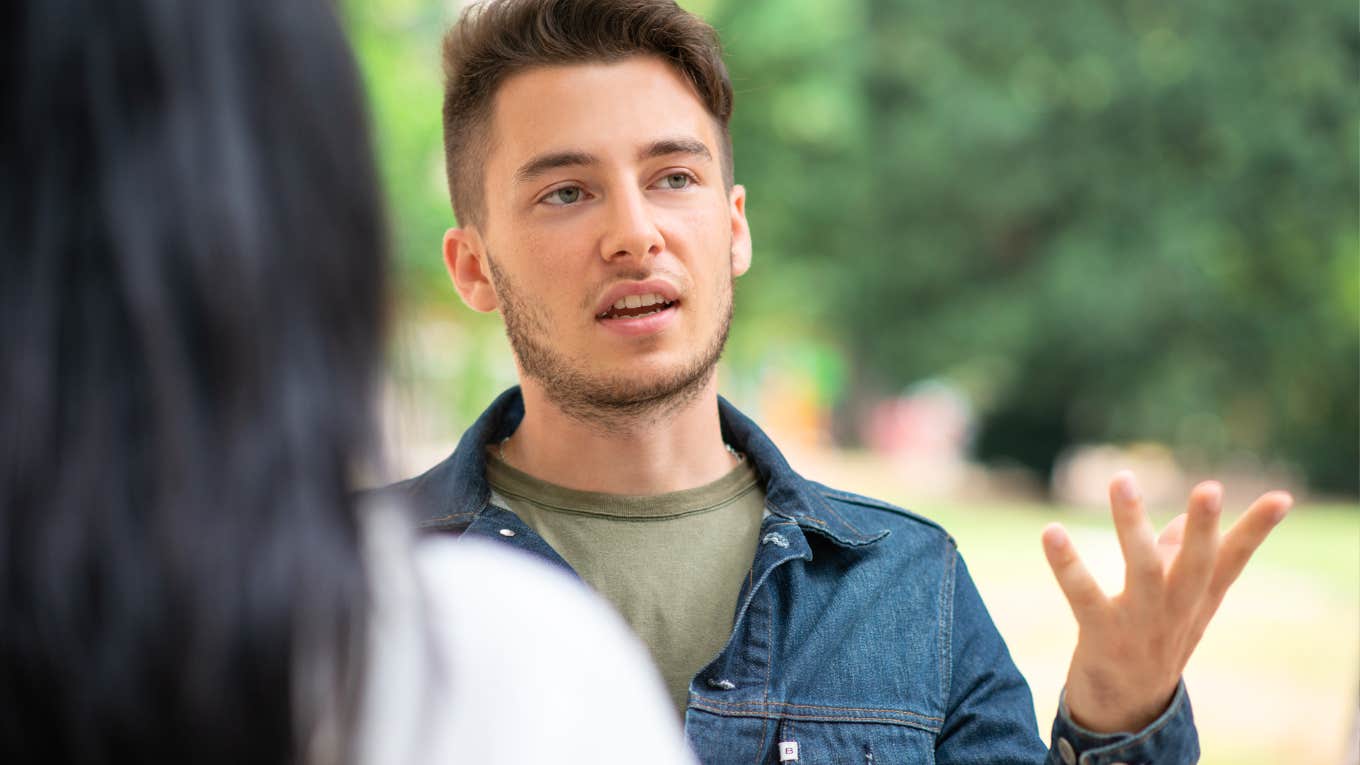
638, 301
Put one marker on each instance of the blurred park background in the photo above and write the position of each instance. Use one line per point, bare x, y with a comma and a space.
1002, 250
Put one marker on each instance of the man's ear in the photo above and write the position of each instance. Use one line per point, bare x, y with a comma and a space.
741, 231
465, 259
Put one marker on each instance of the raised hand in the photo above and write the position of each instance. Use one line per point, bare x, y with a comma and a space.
1132, 647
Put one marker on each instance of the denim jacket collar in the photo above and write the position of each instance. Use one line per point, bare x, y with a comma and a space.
787, 494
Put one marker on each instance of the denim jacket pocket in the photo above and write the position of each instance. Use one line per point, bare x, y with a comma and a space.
801, 742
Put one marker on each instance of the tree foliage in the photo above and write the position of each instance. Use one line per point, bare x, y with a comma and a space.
1108, 221
1119, 221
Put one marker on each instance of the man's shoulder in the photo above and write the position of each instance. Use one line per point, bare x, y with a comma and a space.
448, 495
873, 516
887, 552
430, 497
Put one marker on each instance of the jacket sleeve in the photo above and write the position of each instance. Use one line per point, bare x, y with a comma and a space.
990, 713
1171, 738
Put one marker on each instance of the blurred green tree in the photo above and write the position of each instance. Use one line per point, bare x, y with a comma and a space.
1110, 221
1107, 221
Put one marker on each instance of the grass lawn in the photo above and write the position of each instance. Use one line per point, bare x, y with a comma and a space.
1275, 678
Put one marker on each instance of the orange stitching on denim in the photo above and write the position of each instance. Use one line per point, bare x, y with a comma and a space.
832, 510
835, 718
769, 639
766, 715
764, 724
817, 521
454, 516
760, 748
868, 710
859, 499
769, 653
946, 621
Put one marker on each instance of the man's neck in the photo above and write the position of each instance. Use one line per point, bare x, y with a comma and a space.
671, 450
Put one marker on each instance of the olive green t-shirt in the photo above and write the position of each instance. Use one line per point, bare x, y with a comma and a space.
672, 564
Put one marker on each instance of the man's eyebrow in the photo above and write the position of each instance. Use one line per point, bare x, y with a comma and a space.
558, 159
552, 161
667, 146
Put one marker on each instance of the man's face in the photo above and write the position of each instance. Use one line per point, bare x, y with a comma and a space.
609, 238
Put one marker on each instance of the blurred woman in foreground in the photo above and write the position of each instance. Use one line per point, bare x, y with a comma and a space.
191, 317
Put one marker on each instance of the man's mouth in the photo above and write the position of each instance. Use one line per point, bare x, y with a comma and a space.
634, 306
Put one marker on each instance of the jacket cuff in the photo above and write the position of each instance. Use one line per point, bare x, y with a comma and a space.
1171, 739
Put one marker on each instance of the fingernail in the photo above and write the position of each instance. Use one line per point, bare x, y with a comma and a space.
1286, 503
1054, 535
1211, 495
1125, 487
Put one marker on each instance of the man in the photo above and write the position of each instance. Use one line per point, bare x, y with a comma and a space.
591, 174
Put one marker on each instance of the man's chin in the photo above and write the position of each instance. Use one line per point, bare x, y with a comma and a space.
626, 392
602, 386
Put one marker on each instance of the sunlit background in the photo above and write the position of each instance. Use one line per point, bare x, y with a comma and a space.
1001, 250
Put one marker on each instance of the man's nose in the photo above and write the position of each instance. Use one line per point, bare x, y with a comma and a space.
632, 228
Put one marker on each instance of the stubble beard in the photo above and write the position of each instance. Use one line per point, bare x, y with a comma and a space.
604, 402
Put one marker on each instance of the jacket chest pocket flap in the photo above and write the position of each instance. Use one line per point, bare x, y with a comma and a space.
850, 743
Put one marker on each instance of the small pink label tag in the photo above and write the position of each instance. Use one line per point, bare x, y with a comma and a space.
788, 751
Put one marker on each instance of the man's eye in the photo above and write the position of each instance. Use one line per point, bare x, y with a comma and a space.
678, 180
567, 195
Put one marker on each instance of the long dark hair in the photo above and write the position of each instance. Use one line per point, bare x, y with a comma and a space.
191, 305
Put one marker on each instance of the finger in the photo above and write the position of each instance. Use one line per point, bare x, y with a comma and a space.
1083, 593
1244, 537
1142, 565
1174, 532
1189, 577
1235, 549
1169, 541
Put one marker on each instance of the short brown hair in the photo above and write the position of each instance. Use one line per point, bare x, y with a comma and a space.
495, 39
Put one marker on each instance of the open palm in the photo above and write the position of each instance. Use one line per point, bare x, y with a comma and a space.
1133, 646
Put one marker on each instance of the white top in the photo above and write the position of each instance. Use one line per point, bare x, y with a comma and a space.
479, 653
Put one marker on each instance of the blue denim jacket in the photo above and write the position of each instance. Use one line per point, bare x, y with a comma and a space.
859, 636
